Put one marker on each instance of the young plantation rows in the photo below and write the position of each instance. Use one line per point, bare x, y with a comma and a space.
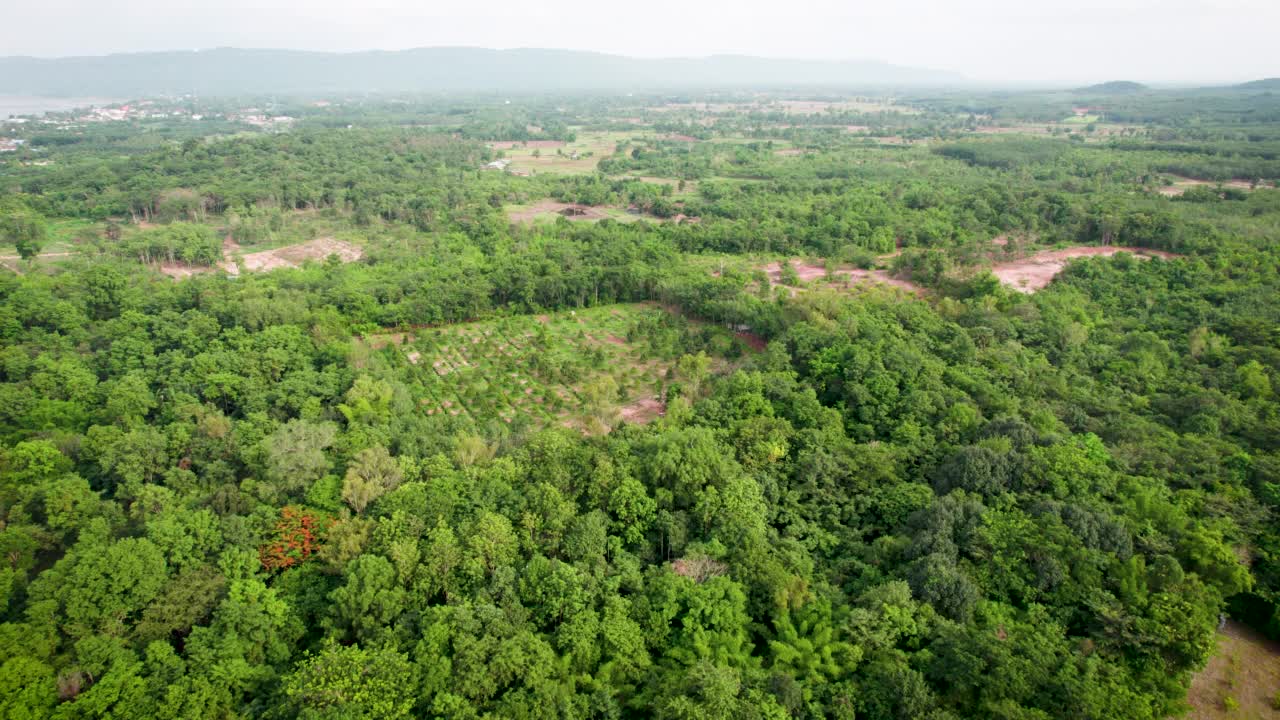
584, 368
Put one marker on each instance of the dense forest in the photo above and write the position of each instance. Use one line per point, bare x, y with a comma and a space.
228, 494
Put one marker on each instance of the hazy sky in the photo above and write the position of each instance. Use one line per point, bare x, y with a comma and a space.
1020, 41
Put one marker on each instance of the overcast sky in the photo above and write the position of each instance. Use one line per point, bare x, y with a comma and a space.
997, 41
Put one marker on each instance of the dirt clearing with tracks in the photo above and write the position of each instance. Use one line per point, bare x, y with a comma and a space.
1035, 272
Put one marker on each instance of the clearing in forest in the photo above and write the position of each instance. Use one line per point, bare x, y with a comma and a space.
555, 156
847, 276
1182, 184
1241, 680
586, 369
1035, 272
289, 256
551, 210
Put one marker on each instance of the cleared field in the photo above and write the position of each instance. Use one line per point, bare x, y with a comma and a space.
287, 256
1181, 184
1242, 679
839, 276
580, 156
585, 369
545, 211
1035, 272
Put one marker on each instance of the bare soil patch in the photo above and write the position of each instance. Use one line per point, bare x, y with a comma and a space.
644, 410
1245, 668
180, 270
1035, 272
1182, 184
881, 277
809, 271
753, 341
292, 256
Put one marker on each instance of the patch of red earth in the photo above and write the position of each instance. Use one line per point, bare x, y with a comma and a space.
644, 410
614, 340
790, 152
540, 144
1034, 273
680, 138
179, 270
753, 341
806, 271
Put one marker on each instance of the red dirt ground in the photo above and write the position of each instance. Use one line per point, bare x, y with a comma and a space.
644, 410
1037, 271
753, 341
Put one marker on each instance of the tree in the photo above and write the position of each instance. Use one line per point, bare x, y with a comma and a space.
372, 473
295, 453
353, 682
370, 600
107, 586
24, 228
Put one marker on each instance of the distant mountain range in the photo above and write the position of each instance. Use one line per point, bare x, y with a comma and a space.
1264, 84
229, 71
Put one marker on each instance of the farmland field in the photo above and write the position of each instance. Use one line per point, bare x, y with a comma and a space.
577, 157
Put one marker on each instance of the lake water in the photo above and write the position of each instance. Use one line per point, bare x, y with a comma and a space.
32, 105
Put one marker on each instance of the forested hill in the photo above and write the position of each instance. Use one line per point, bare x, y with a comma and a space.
229, 71
1114, 87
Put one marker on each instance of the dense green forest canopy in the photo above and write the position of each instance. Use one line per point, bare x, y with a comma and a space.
300, 493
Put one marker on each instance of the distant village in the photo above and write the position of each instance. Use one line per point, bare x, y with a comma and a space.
142, 110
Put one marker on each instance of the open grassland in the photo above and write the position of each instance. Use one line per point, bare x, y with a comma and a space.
577, 157
548, 211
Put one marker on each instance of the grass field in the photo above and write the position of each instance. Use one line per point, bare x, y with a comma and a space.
590, 147
584, 369
548, 211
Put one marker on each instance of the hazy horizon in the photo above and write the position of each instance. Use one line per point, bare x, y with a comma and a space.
987, 41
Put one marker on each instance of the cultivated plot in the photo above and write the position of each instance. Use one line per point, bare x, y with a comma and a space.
584, 369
